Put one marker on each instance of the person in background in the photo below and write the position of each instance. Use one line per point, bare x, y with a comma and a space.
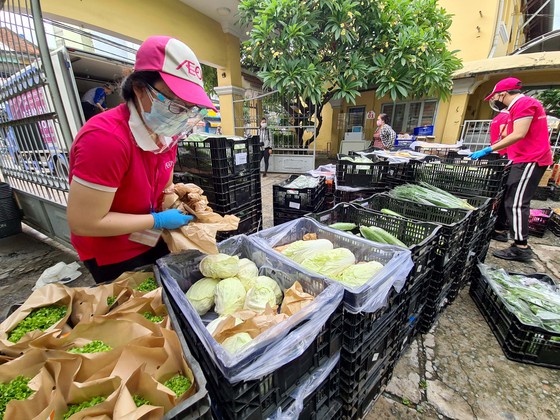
498, 128
266, 143
121, 162
93, 101
384, 136
529, 149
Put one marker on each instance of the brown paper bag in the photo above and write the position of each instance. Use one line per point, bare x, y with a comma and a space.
132, 279
91, 301
51, 294
144, 385
80, 392
295, 299
253, 324
149, 352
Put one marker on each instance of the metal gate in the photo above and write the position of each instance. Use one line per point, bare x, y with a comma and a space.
292, 123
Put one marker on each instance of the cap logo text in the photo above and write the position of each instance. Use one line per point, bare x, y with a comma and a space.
192, 68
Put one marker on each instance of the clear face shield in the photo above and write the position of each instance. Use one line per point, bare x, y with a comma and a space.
496, 104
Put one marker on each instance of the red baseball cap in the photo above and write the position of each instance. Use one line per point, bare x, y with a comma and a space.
178, 67
509, 83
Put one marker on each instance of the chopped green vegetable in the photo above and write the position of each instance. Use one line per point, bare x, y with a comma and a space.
377, 234
96, 346
343, 226
147, 285
16, 389
179, 384
151, 317
111, 300
38, 319
140, 401
390, 212
75, 408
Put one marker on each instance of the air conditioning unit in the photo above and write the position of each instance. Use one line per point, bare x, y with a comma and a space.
503, 32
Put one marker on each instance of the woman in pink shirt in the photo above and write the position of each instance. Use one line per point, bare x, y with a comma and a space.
121, 161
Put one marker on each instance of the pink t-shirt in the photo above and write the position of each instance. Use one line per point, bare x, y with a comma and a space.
535, 146
498, 129
105, 153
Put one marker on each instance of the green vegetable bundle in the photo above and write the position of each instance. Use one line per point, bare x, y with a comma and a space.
147, 285
380, 235
38, 319
429, 195
96, 346
179, 384
16, 389
75, 408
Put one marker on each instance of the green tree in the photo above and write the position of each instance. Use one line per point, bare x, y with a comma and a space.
318, 50
550, 99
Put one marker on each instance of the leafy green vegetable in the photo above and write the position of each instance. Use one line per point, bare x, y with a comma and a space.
219, 266
111, 300
330, 263
234, 343
390, 212
75, 408
38, 319
429, 195
343, 226
96, 346
201, 294
147, 285
179, 384
301, 250
377, 234
140, 401
229, 296
151, 317
16, 389
358, 274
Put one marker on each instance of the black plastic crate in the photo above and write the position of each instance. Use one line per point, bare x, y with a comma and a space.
10, 227
303, 199
555, 193
368, 175
220, 157
250, 221
541, 193
226, 196
538, 224
282, 215
519, 342
554, 223
471, 177
481, 215
421, 237
344, 196
454, 223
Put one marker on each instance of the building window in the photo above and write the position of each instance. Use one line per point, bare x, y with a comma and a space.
405, 116
355, 118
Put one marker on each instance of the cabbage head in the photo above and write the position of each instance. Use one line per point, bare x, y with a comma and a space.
234, 343
358, 274
301, 250
229, 296
201, 294
259, 296
219, 266
330, 263
211, 327
248, 272
264, 281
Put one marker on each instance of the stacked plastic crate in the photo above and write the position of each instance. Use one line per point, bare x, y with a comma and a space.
227, 169
293, 366
374, 313
292, 202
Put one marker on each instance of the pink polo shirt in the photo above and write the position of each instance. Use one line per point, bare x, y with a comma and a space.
535, 146
106, 155
498, 129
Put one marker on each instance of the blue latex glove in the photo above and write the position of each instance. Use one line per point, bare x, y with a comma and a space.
481, 153
170, 219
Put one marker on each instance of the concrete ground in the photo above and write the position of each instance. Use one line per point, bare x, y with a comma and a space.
457, 371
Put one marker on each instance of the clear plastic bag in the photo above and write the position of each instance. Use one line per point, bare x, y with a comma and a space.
373, 294
276, 346
301, 393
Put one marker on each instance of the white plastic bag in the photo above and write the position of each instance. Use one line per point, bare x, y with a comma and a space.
59, 273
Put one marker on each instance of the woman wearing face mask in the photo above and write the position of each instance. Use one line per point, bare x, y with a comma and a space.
384, 136
266, 144
122, 161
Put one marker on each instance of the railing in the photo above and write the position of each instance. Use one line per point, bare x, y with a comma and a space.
476, 135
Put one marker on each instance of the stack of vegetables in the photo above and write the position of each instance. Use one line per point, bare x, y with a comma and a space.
233, 288
428, 194
101, 351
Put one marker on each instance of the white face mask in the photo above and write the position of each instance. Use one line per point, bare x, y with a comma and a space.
263, 125
166, 123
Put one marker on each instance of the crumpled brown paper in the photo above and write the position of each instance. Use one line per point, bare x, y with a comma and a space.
253, 323
201, 232
295, 299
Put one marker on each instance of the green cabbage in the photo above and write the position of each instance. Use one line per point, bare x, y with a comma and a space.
219, 266
259, 296
248, 272
330, 263
201, 294
272, 285
229, 296
301, 250
234, 343
358, 274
